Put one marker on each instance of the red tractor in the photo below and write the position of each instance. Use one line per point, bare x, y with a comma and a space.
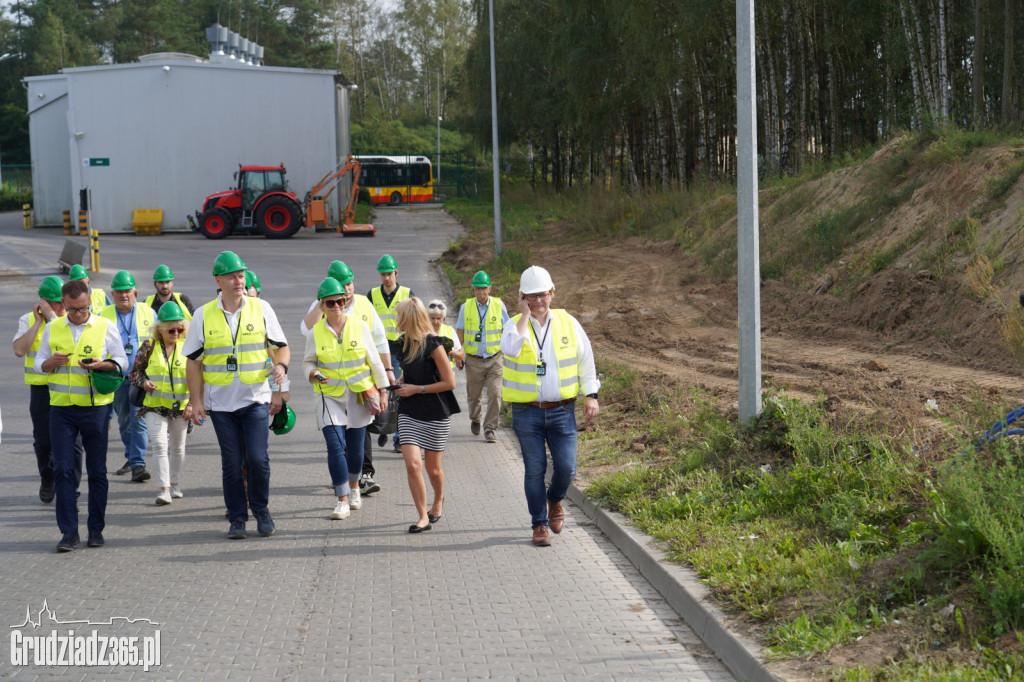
261, 203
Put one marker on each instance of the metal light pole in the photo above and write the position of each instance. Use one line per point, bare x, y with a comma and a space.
494, 141
749, 271
438, 74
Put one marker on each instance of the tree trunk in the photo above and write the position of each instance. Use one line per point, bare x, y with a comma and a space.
1008, 104
943, 60
978, 66
918, 104
788, 131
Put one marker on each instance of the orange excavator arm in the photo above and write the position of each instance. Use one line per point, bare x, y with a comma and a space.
316, 214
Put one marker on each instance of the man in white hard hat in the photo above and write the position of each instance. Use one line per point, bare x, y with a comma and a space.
547, 363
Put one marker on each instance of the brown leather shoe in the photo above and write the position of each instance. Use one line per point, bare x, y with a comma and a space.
556, 516
541, 537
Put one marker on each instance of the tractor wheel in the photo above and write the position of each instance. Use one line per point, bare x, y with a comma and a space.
278, 218
216, 223
396, 198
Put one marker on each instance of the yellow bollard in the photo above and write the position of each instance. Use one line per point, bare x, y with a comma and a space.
67, 221
83, 223
26, 214
94, 240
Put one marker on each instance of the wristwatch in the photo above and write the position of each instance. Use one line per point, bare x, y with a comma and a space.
423, 389
592, 395
285, 367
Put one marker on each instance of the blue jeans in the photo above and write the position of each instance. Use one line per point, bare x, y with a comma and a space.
67, 424
39, 410
555, 427
134, 433
344, 456
242, 436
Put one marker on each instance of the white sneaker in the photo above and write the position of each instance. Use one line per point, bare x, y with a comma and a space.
176, 492
355, 500
164, 497
341, 511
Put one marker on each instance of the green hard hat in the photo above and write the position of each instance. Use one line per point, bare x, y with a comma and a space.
386, 264
329, 287
105, 381
481, 279
170, 312
283, 421
50, 287
77, 272
226, 262
340, 272
162, 274
122, 280
252, 280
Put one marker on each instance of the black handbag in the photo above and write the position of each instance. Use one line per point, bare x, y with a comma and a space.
136, 395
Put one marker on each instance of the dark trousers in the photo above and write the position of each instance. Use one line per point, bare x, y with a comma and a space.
368, 469
67, 423
39, 410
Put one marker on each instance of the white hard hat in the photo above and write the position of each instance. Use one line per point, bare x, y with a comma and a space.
534, 280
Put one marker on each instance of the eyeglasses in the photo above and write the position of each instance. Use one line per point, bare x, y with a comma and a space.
536, 297
335, 303
436, 306
175, 331
76, 310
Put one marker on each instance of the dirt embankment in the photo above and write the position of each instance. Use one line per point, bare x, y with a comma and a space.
917, 329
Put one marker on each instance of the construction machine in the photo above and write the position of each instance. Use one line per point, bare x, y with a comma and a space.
263, 203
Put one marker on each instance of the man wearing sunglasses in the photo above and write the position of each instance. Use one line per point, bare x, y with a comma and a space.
479, 326
548, 362
226, 346
72, 346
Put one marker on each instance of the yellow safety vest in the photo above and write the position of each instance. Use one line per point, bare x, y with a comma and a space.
387, 312
177, 299
70, 384
249, 345
446, 330
97, 300
32, 377
144, 320
169, 376
363, 309
519, 380
344, 363
492, 326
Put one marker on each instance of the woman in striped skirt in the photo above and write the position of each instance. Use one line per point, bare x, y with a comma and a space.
425, 407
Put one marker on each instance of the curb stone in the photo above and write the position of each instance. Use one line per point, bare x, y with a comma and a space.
681, 589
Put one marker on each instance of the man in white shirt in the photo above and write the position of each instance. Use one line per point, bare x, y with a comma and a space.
227, 375
547, 363
71, 347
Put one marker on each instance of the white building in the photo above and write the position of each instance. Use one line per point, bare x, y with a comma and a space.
171, 129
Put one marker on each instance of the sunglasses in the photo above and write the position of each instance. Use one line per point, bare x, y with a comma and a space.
436, 306
175, 331
76, 310
335, 303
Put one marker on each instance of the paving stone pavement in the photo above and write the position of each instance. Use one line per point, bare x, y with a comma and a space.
358, 599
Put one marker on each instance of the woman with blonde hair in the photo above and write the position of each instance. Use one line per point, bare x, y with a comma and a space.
425, 408
436, 311
159, 370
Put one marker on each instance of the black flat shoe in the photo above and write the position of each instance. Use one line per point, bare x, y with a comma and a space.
419, 529
434, 519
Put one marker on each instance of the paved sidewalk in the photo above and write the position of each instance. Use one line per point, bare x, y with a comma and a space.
357, 599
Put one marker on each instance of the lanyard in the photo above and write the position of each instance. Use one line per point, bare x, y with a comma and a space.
234, 333
542, 340
170, 366
130, 328
483, 315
